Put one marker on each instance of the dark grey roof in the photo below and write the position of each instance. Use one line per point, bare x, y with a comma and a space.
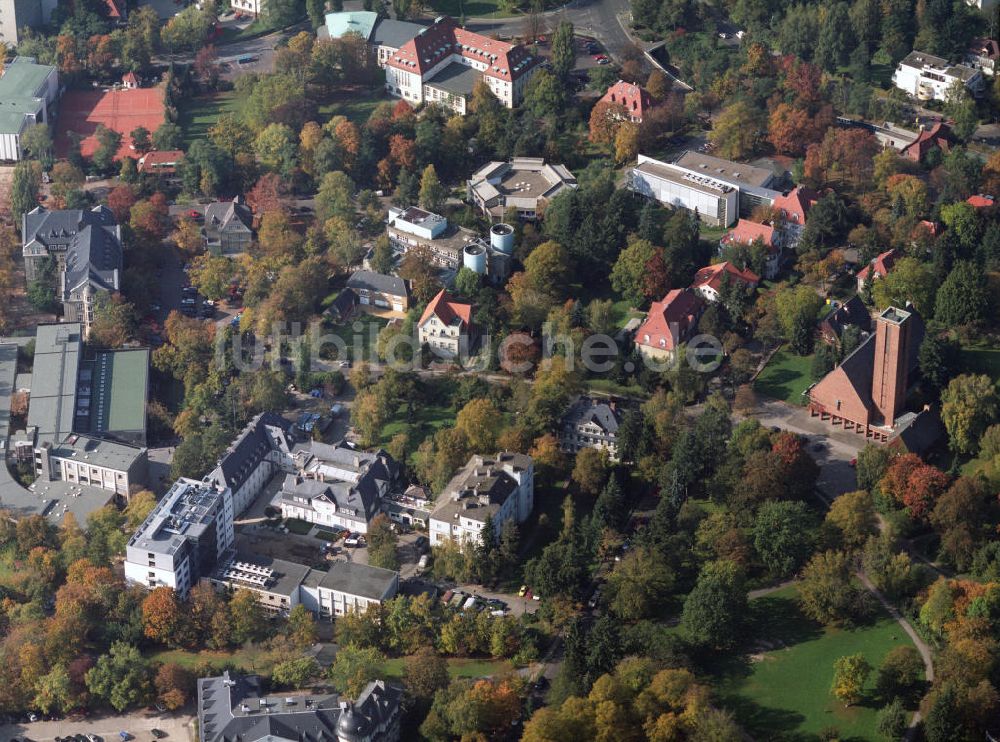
371, 281
586, 410
344, 303
253, 443
352, 578
95, 256
58, 227
220, 214
457, 79
480, 488
852, 312
393, 33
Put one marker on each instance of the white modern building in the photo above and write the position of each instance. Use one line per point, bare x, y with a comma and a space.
352, 588
185, 537
81, 459
524, 183
443, 63
27, 92
500, 487
716, 202
927, 77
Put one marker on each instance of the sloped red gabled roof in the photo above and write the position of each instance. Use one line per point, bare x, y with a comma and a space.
747, 231
633, 97
670, 319
712, 275
795, 205
980, 201
447, 310
882, 265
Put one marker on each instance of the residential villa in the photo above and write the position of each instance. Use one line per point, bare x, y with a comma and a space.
590, 423
377, 291
633, 98
927, 77
228, 227
793, 208
446, 327
670, 322
709, 281
879, 267
747, 232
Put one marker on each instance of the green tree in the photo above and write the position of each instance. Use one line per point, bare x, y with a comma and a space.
24, 190
629, 272
354, 667
797, 309
54, 691
639, 585
301, 628
938, 359
716, 608
246, 617
383, 259
964, 297
891, 721
836, 38
900, 673
335, 197
563, 51
467, 282
121, 677
108, 142
826, 592
853, 515
736, 130
316, 9
36, 141
167, 136
909, 280
783, 536
968, 407
382, 543
590, 471
944, 717
849, 676
425, 673
432, 193
295, 673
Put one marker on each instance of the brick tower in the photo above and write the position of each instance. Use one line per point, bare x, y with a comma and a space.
892, 352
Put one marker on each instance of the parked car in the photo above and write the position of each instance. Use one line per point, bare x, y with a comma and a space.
421, 543
158, 733
194, 214
523, 591
424, 562
352, 540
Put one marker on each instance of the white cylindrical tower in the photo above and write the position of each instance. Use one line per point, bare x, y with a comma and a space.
474, 258
502, 238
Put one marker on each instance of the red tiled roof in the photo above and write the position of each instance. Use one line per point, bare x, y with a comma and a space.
129, 78
447, 310
747, 231
431, 46
633, 97
677, 312
151, 160
938, 136
711, 275
882, 264
795, 205
114, 9
931, 227
980, 201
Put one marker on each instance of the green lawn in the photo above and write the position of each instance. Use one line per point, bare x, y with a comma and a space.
458, 667
198, 115
982, 361
782, 689
359, 335
357, 108
327, 536
471, 8
610, 386
425, 420
785, 377
249, 659
297, 526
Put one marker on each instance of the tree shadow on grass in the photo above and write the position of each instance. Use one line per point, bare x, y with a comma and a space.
778, 621
768, 723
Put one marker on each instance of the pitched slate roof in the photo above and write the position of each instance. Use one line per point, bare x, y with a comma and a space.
220, 214
57, 228
447, 310
266, 432
670, 319
93, 256
852, 312
379, 282
586, 410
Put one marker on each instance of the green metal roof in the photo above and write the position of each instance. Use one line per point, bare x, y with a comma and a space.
19, 86
118, 399
361, 22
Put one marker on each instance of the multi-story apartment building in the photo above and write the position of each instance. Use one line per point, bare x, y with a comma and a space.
443, 63
927, 77
590, 423
184, 538
500, 487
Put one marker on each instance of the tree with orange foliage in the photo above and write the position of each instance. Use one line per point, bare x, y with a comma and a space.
844, 155
403, 152
267, 195
791, 129
121, 199
913, 484
150, 218
605, 118
67, 56
174, 685
161, 616
101, 54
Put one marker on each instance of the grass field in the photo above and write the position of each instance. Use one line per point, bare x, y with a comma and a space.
359, 335
300, 527
610, 386
982, 361
782, 691
327, 536
199, 114
425, 420
471, 8
785, 377
250, 660
458, 667
357, 108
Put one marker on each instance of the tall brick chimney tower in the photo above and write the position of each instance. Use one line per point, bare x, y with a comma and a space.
892, 353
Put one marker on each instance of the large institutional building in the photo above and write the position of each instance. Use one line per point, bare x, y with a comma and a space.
27, 90
927, 77
443, 63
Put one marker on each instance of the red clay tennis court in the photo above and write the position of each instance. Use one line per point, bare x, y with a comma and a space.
122, 110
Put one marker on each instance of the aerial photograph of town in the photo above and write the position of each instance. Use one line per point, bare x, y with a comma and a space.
499, 370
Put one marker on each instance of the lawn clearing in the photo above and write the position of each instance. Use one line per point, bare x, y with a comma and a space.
359, 335
425, 420
357, 107
781, 690
471, 8
327, 536
458, 667
297, 526
247, 659
198, 115
786, 377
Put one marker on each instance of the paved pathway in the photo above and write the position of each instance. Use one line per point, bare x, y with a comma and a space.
138, 724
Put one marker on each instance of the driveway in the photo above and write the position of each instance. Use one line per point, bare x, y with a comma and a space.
178, 727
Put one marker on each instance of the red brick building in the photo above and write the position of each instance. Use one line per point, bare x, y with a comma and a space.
634, 98
866, 393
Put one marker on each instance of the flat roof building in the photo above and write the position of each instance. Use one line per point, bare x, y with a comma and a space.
524, 183
715, 201
27, 90
927, 77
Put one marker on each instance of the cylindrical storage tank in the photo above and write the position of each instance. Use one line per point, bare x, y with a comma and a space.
474, 258
502, 238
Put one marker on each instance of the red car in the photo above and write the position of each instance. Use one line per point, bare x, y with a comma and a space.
599, 57
194, 214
